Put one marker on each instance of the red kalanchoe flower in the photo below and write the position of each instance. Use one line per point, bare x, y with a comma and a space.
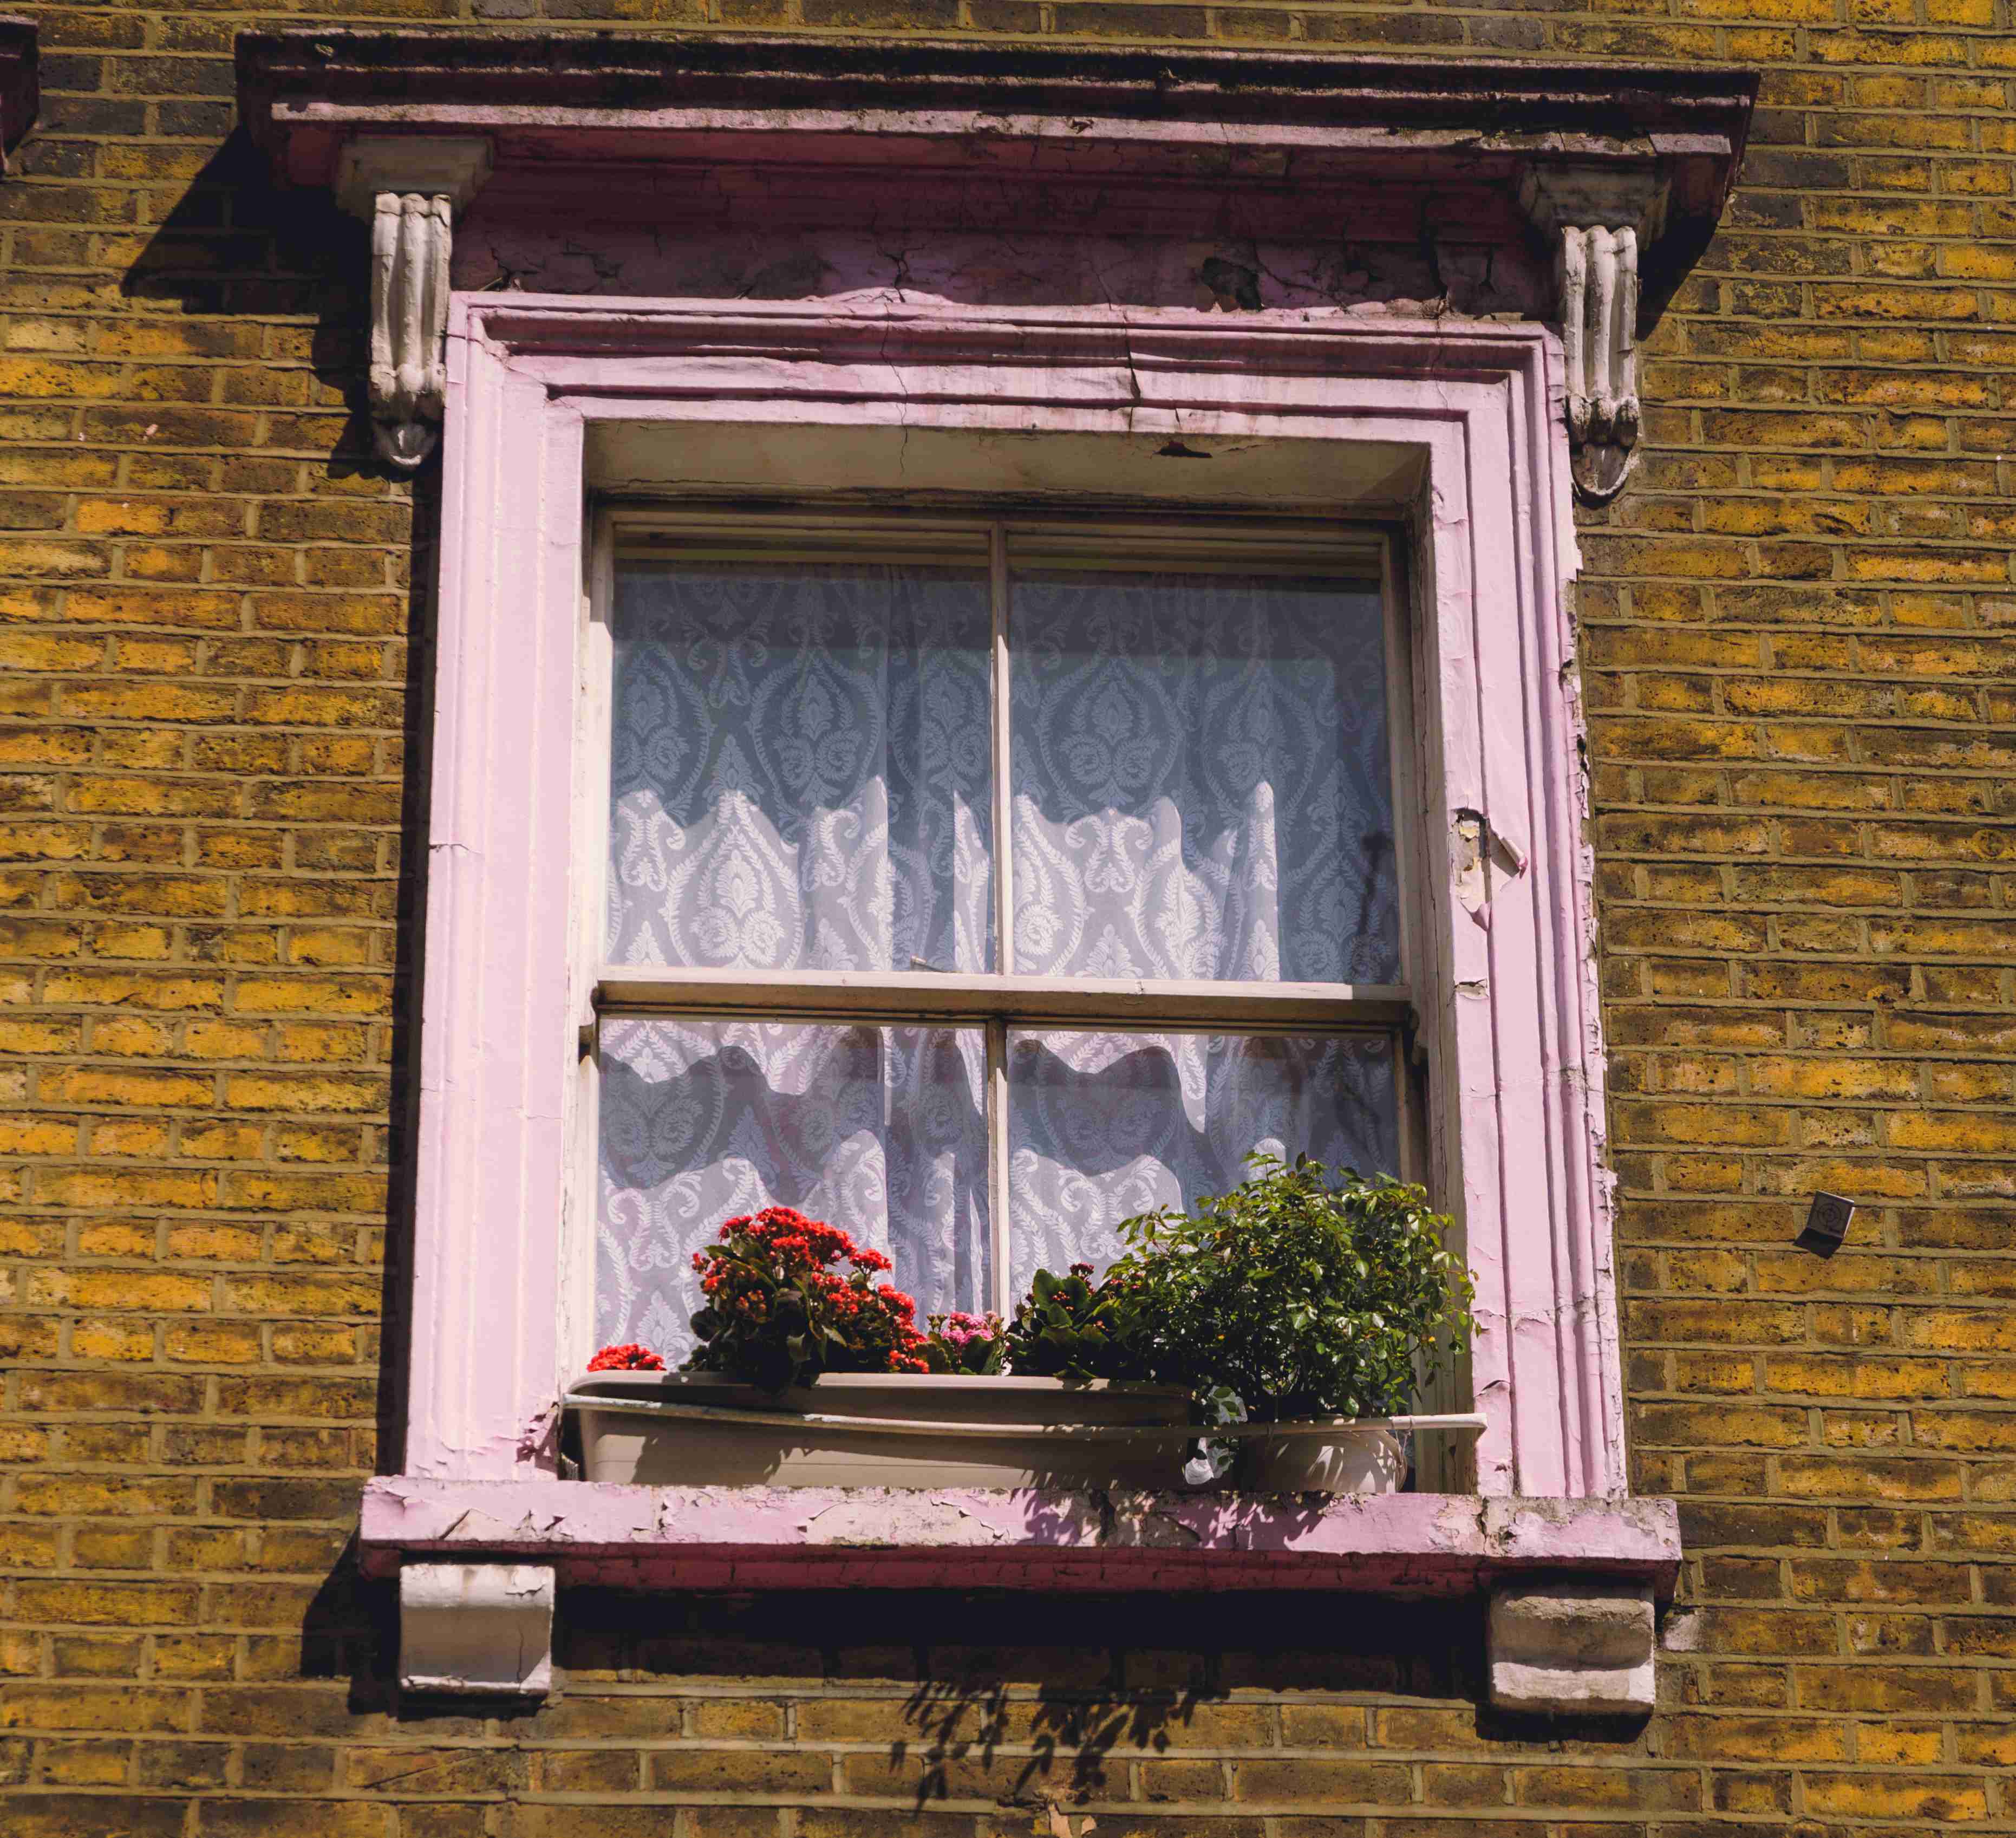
628, 1358
787, 1298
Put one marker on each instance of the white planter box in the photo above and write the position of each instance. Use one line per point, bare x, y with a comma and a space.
973, 1442
697, 1429
1362, 1458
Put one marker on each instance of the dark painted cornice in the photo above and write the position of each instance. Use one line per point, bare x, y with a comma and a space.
20, 91
1491, 96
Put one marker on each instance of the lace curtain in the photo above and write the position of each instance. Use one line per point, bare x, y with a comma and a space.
800, 770
882, 1130
1201, 791
1201, 779
800, 779
1103, 1126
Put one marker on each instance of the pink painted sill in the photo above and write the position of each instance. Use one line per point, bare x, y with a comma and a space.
749, 1538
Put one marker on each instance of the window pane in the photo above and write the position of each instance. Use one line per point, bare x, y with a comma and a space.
1102, 1126
881, 1131
800, 769
1201, 779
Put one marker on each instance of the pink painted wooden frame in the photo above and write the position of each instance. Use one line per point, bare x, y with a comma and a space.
738, 1538
1511, 1018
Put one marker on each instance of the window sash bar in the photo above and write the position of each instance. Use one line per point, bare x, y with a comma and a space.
1127, 1005
1001, 668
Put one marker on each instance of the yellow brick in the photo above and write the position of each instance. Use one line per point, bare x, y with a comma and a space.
113, 1339
1794, 632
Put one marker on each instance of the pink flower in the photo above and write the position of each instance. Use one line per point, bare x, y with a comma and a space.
961, 1329
764, 1258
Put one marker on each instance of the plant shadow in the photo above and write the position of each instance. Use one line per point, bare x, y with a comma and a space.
1037, 1701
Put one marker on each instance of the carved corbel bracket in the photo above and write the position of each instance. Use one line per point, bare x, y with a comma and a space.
409, 190
1597, 219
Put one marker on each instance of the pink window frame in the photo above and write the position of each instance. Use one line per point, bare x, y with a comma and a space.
1513, 1026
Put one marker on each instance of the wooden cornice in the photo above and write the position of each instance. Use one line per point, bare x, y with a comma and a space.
554, 103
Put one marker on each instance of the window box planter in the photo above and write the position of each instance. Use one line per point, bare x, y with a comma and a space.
899, 1430
877, 1429
1364, 1457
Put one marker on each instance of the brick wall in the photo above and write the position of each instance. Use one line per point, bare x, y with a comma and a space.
1803, 750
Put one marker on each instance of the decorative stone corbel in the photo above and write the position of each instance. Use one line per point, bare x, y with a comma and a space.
1596, 219
482, 1628
408, 190
1562, 1649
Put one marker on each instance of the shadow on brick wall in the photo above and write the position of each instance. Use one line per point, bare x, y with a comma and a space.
350, 1631
236, 247
1031, 1700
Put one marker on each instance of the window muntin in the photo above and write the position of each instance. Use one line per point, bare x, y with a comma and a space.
812, 758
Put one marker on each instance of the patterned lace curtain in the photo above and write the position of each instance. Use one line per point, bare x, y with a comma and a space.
800, 779
1202, 791
800, 770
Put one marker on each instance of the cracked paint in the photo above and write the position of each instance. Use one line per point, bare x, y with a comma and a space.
980, 1537
496, 248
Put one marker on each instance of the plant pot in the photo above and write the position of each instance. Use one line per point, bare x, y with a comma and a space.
1363, 1457
1058, 1445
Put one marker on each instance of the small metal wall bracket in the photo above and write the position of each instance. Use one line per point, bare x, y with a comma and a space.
1826, 1224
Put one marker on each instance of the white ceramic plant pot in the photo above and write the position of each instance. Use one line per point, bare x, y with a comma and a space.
1051, 1438
1352, 1459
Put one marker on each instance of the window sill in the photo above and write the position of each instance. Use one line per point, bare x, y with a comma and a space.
748, 1538
1573, 1584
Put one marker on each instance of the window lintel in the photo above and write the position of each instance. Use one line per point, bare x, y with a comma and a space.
1618, 172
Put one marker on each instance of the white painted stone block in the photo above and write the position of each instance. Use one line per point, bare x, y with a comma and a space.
477, 1627
1571, 1647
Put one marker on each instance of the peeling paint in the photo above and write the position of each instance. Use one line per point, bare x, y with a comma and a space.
959, 1537
1473, 891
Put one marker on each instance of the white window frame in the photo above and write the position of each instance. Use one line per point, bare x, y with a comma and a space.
1002, 999
1445, 427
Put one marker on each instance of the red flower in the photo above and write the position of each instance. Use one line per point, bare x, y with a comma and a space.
776, 1278
628, 1358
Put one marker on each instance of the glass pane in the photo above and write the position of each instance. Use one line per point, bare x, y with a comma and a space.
881, 1131
1102, 1126
1202, 779
800, 772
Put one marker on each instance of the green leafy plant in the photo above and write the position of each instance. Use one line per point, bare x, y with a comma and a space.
1296, 1294
1068, 1327
1301, 1295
